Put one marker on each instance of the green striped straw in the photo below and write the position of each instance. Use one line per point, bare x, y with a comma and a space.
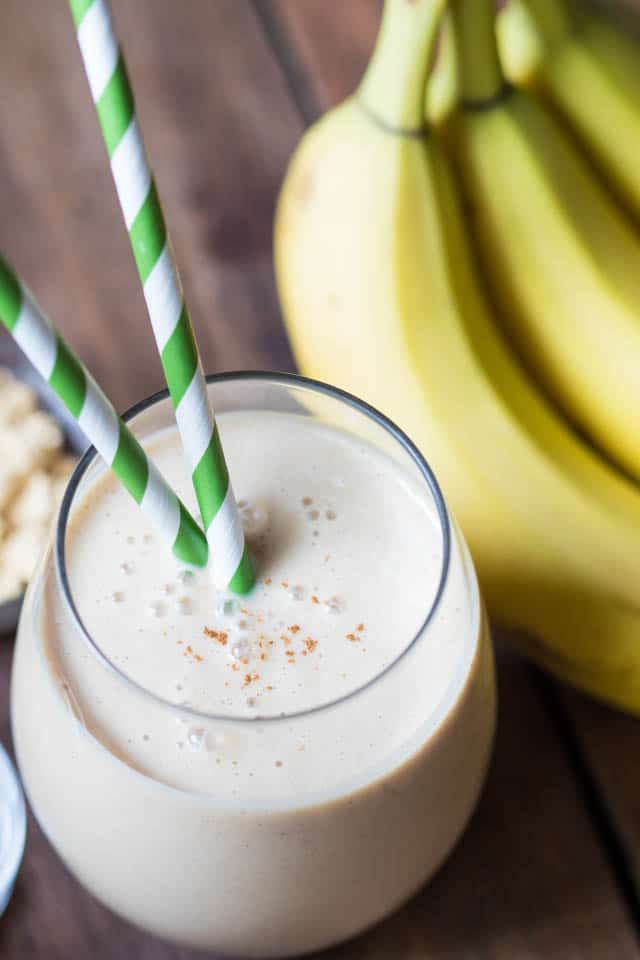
97, 418
113, 99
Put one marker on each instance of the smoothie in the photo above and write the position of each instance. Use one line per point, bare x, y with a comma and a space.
260, 775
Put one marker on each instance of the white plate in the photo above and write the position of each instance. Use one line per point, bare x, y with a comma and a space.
13, 827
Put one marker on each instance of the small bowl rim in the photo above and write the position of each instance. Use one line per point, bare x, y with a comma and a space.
13, 807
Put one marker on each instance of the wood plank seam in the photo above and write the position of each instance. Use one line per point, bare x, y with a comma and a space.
598, 808
298, 79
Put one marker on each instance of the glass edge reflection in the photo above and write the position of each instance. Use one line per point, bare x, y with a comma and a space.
284, 380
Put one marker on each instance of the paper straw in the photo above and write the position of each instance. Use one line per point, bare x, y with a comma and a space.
97, 418
113, 99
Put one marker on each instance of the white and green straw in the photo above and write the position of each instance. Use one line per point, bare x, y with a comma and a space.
113, 99
97, 418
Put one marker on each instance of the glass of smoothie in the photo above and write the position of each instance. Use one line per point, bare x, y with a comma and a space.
267, 775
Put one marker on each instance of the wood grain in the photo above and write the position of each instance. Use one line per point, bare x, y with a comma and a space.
527, 880
323, 54
609, 741
219, 127
530, 878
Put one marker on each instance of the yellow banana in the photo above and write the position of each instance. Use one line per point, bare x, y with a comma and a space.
442, 85
590, 71
563, 263
381, 296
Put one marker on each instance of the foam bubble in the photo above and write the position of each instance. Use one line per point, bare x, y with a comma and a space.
241, 648
187, 578
228, 607
254, 516
334, 605
183, 606
197, 739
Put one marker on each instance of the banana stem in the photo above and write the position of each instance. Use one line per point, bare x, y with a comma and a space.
480, 76
393, 87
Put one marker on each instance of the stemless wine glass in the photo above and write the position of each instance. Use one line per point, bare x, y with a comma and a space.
253, 873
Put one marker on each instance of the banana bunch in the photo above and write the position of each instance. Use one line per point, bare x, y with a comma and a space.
589, 71
488, 329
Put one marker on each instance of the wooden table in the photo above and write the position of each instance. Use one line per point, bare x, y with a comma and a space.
549, 866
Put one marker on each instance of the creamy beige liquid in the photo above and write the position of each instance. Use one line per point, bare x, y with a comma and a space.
256, 831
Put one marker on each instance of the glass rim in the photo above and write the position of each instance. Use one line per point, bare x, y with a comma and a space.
284, 380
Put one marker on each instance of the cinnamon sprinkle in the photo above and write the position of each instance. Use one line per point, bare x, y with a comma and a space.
310, 644
314, 599
294, 629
